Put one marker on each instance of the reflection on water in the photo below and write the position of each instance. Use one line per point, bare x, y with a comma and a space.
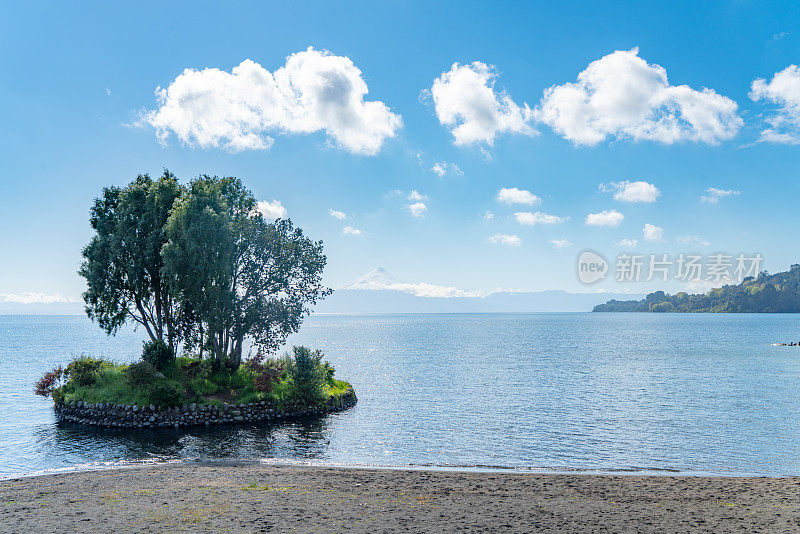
303, 438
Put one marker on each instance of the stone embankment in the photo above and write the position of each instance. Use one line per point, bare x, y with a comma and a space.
123, 416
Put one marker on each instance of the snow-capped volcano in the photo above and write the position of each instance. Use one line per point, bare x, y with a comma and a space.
380, 280
375, 279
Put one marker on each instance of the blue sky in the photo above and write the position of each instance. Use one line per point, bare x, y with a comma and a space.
79, 112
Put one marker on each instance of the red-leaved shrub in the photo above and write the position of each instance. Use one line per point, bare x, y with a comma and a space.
266, 372
49, 382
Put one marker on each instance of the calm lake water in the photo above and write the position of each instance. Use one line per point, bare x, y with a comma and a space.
619, 392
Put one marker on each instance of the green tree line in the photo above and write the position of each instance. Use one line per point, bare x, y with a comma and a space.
766, 293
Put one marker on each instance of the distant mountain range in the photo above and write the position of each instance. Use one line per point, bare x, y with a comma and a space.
380, 292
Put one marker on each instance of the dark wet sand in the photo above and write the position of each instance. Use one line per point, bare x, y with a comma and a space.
253, 498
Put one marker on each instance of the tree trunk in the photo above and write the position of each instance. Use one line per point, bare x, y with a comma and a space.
236, 353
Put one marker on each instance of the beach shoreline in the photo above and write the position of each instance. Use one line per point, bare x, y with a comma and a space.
255, 497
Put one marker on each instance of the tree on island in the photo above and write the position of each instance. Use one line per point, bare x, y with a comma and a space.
123, 266
198, 266
241, 276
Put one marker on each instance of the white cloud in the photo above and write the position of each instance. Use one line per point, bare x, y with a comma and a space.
783, 91
506, 239
622, 96
530, 219
349, 230
337, 214
693, 241
651, 232
488, 216
29, 297
512, 195
628, 191
440, 168
415, 195
627, 243
605, 218
466, 102
240, 110
271, 210
560, 243
418, 209
714, 195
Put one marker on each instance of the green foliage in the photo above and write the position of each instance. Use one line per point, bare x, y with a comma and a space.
301, 378
240, 275
111, 386
158, 354
308, 376
198, 266
166, 394
123, 264
140, 375
85, 370
776, 293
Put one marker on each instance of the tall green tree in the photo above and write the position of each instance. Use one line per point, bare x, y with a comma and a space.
122, 263
241, 276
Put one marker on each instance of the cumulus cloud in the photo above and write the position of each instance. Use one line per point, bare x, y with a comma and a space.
510, 240
621, 96
337, 214
627, 243
349, 230
440, 168
417, 209
651, 232
466, 102
693, 241
512, 195
416, 195
488, 216
29, 297
271, 210
714, 195
560, 243
528, 218
628, 191
241, 110
783, 91
605, 218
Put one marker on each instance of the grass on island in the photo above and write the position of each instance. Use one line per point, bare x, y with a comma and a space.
298, 379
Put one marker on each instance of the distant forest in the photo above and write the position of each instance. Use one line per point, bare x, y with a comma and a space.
767, 293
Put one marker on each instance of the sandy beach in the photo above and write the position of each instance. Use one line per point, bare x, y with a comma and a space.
258, 498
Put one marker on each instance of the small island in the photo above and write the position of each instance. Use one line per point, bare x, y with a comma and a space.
205, 274
766, 293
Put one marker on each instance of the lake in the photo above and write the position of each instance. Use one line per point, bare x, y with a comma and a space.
665, 393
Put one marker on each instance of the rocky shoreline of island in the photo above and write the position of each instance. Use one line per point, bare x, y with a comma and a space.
194, 414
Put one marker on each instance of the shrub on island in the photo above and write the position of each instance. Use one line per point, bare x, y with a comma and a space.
300, 379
